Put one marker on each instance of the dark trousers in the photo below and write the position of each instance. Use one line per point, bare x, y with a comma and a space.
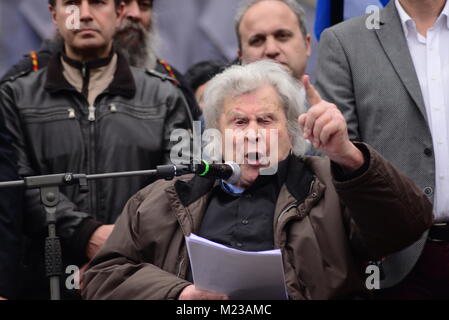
429, 279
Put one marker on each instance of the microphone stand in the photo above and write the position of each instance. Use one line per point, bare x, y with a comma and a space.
49, 194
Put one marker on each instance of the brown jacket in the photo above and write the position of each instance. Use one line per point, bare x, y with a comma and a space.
324, 240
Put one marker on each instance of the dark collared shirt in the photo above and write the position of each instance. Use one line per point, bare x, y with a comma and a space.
244, 220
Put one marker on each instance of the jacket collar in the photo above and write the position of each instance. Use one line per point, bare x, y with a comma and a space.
409, 24
190, 191
298, 180
392, 39
123, 83
93, 64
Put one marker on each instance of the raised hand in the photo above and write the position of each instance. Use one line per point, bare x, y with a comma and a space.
324, 125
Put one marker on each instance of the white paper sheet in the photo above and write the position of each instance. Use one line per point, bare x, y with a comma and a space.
239, 274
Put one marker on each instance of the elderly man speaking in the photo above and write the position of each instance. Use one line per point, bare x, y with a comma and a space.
327, 215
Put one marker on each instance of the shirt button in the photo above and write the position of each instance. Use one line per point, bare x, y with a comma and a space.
245, 221
239, 244
428, 152
428, 191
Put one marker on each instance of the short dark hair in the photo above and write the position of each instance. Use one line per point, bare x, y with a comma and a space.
202, 72
53, 2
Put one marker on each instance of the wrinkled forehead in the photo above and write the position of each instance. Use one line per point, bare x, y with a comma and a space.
261, 101
54, 3
266, 16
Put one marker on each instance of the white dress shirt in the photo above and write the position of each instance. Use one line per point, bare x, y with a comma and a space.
430, 56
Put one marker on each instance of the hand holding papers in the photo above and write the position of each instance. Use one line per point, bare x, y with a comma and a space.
239, 274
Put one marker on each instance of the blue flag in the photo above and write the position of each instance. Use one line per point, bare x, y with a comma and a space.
330, 12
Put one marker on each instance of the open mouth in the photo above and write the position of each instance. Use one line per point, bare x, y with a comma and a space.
256, 159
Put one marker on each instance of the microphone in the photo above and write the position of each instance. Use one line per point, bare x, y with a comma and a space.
228, 171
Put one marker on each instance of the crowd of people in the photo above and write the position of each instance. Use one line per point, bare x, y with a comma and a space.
361, 155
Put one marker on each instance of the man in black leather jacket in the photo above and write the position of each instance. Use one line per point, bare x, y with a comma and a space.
10, 219
87, 112
136, 39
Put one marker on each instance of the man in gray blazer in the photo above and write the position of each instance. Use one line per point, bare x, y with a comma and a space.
390, 80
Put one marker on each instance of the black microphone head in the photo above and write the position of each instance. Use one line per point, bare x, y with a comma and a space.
229, 171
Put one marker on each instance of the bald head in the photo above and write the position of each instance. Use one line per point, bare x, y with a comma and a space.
273, 29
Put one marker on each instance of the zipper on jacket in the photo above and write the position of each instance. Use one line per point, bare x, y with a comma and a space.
294, 204
91, 116
112, 108
180, 267
92, 162
93, 168
290, 206
311, 185
71, 112
67, 113
86, 79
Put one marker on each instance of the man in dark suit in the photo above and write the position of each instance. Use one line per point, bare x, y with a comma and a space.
389, 78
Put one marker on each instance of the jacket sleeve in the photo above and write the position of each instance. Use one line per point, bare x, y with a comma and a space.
183, 85
178, 123
385, 211
334, 80
117, 271
73, 227
24, 65
10, 219
48, 49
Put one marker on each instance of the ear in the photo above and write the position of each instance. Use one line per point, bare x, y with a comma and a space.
309, 45
120, 11
53, 15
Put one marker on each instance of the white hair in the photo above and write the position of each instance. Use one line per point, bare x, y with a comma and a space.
238, 80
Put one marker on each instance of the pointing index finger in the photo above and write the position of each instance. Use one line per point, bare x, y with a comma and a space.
312, 94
